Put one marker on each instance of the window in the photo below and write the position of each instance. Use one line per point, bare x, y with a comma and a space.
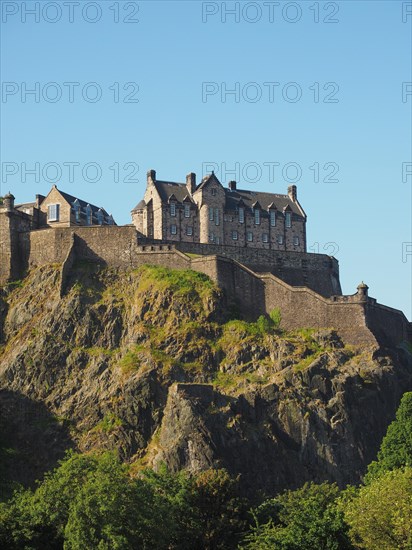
187, 210
99, 217
288, 219
189, 230
211, 213
110, 220
249, 236
234, 235
273, 218
211, 237
257, 216
280, 239
296, 241
53, 212
173, 209
265, 238
88, 215
217, 216
173, 229
241, 215
213, 191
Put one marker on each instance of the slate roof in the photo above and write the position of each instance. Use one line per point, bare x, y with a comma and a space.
233, 198
83, 204
265, 200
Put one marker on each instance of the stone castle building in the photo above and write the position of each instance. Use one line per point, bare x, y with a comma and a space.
209, 213
252, 244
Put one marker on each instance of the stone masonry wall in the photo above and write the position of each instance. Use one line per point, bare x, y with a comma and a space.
316, 271
358, 320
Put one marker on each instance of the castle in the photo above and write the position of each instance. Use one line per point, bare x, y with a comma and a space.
252, 244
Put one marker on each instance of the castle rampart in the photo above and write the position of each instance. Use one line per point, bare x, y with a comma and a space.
358, 318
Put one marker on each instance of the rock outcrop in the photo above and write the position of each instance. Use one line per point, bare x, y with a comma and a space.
145, 361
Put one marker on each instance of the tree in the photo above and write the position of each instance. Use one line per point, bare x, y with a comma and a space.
396, 448
380, 514
304, 519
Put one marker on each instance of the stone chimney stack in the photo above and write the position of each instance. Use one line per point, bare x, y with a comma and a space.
293, 193
151, 177
232, 185
39, 200
191, 182
8, 201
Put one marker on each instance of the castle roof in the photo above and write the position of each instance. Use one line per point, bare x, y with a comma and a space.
83, 204
250, 199
234, 198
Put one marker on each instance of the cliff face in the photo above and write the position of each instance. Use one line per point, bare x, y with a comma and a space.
146, 362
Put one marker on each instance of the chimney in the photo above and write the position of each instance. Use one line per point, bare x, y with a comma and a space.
293, 193
39, 200
232, 185
191, 182
8, 201
151, 177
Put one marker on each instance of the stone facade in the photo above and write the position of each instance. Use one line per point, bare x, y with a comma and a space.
209, 213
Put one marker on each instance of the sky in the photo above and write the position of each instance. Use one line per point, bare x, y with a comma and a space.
94, 94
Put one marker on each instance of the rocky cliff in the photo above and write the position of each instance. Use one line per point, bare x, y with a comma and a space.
148, 362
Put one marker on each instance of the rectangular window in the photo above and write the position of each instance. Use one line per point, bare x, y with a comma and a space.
288, 219
217, 216
211, 214
53, 212
249, 236
280, 239
173, 229
296, 241
273, 218
189, 230
234, 235
241, 215
173, 209
187, 210
265, 238
257, 216
213, 191
211, 237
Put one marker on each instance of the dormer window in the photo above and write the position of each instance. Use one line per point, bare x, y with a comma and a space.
88, 215
257, 216
288, 219
173, 209
53, 213
77, 212
187, 210
100, 217
273, 218
241, 214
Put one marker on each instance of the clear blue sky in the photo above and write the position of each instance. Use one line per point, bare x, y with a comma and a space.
359, 123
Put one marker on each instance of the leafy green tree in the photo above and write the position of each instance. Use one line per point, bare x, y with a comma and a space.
380, 514
305, 519
396, 447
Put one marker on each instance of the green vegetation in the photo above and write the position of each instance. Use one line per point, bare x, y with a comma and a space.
91, 502
396, 448
305, 519
180, 282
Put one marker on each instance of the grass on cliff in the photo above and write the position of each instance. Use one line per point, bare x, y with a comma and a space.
179, 281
